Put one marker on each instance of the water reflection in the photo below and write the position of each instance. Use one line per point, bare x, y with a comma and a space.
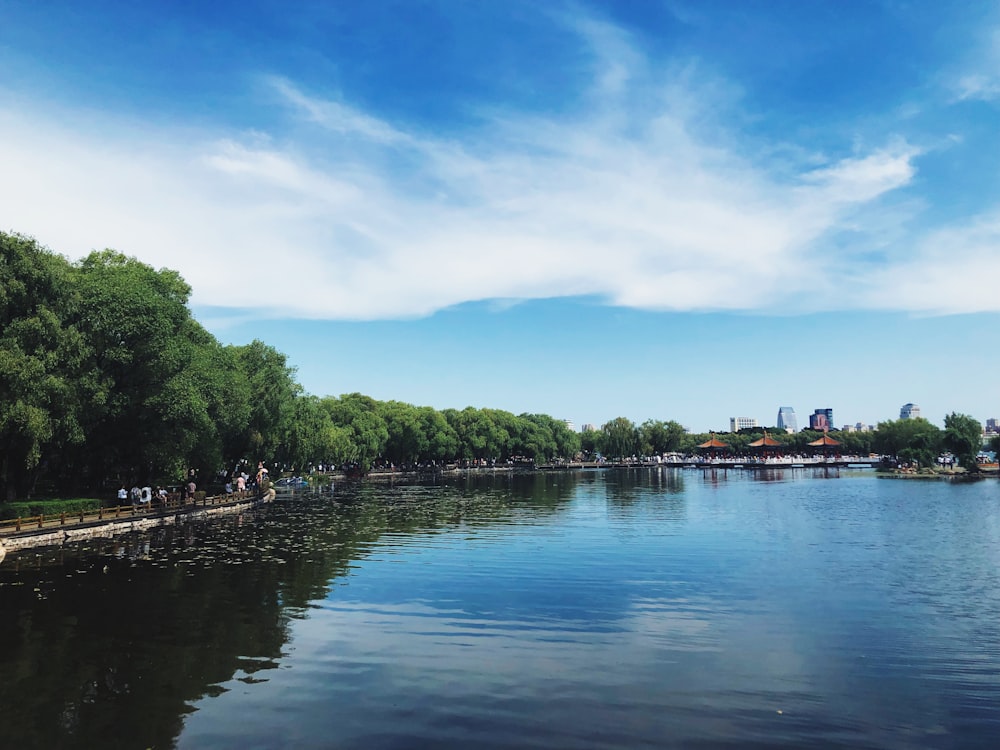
587, 609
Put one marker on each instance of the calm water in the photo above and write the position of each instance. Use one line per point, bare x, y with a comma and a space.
656, 608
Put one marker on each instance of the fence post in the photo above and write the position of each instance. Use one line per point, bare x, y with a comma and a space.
17, 526
62, 518
41, 519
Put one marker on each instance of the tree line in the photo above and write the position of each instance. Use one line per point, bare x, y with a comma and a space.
105, 377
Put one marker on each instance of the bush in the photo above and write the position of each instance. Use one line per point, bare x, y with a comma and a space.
27, 508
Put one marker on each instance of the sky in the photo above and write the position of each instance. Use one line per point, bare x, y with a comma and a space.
656, 209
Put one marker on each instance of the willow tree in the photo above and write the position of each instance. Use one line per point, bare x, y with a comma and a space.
42, 381
360, 417
271, 392
620, 438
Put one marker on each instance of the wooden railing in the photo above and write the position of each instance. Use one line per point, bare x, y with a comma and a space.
172, 504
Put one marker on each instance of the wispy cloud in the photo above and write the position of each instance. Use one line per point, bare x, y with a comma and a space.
981, 78
951, 270
627, 197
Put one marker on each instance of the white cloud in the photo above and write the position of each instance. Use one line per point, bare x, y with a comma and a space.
952, 270
631, 201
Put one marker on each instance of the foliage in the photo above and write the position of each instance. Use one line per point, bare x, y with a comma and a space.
909, 440
358, 415
41, 362
620, 438
105, 378
657, 437
27, 509
963, 436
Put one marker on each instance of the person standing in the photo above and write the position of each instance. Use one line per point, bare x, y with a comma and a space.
191, 488
122, 495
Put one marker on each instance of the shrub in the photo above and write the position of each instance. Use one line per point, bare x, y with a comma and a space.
28, 508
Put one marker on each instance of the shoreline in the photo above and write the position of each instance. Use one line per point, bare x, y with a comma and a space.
56, 536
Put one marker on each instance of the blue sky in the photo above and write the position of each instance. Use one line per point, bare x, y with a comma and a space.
671, 210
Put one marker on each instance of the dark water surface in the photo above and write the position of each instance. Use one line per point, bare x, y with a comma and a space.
654, 608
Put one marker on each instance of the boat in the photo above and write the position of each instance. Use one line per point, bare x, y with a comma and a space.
291, 482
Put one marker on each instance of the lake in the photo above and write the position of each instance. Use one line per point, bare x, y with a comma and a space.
603, 609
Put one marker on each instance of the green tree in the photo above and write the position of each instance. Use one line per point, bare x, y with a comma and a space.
442, 440
535, 438
149, 414
309, 438
590, 443
911, 440
359, 415
658, 437
620, 438
963, 436
271, 392
42, 372
406, 442
478, 435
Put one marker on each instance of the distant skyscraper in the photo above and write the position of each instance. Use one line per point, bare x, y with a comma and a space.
787, 420
909, 411
569, 425
821, 419
741, 423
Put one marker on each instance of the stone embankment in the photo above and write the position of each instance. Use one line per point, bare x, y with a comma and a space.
64, 534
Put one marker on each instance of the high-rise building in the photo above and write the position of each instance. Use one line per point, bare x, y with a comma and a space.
821, 419
589, 428
787, 420
741, 423
569, 425
909, 411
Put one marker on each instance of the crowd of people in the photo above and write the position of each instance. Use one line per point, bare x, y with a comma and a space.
142, 496
239, 484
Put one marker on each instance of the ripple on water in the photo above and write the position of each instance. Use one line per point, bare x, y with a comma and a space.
593, 611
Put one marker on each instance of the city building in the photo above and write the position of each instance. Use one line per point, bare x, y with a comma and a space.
569, 425
862, 427
821, 419
787, 420
909, 411
993, 425
589, 428
741, 423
